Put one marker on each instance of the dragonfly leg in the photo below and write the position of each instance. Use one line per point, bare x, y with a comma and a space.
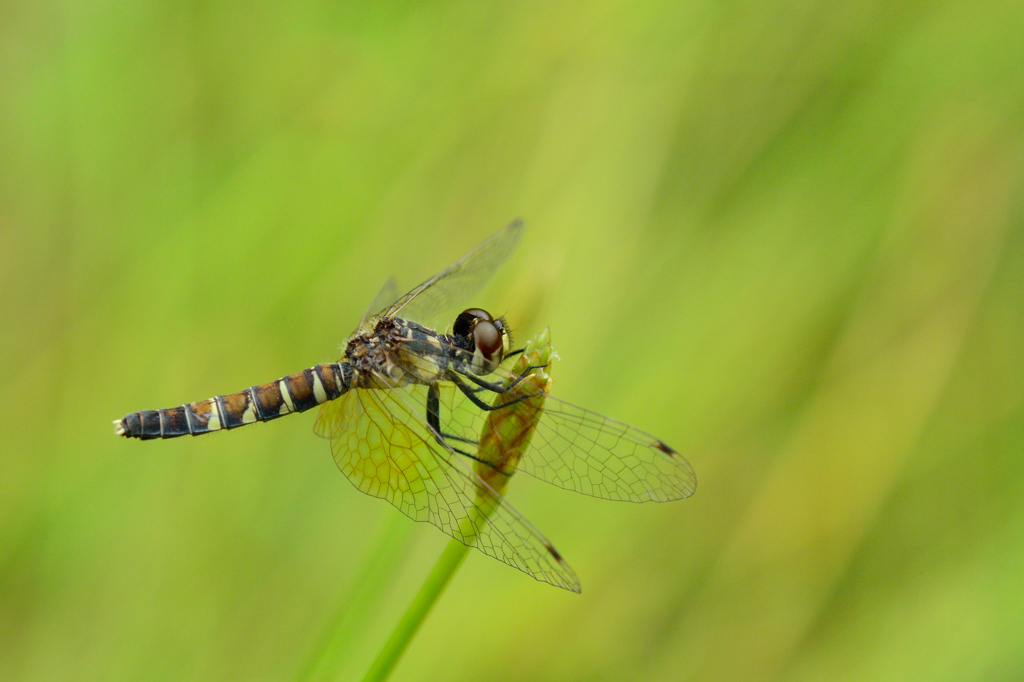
434, 413
475, 458
496, 387
434, 420
512, 354
468, 392
452, 436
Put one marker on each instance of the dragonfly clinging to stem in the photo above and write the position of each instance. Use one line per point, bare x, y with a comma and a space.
403, 410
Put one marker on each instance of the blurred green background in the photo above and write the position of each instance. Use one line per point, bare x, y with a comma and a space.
786, 237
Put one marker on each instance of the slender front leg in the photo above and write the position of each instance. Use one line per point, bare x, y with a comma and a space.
468, 392
434, 420
434, 410
434, 417
496, 387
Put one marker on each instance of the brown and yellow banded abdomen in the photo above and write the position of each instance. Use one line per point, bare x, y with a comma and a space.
293, 393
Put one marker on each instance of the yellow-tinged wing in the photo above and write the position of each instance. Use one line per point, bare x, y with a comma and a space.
385, 447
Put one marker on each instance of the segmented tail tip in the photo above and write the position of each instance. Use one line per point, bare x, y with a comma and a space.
118, 427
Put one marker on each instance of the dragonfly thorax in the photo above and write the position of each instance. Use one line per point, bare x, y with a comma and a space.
371, 354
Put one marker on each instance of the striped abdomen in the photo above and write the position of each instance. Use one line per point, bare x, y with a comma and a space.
293, 393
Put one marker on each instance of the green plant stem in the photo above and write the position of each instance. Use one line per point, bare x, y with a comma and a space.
446, 566
329, 659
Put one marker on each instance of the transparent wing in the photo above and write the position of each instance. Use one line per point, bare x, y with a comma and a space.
387, 450
576, 449
460, 281
384, 298
580, 450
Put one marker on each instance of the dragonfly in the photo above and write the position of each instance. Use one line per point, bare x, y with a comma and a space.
403, 409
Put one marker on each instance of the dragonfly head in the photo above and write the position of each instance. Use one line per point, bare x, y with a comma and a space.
491, 338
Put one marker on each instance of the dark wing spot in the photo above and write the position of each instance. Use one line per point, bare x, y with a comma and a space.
664, 448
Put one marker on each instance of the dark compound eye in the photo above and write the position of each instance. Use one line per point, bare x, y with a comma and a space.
487, 338
467, 319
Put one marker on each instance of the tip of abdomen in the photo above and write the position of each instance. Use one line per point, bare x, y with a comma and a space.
119, 428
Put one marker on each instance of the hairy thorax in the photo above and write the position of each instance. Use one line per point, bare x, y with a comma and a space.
402, 352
